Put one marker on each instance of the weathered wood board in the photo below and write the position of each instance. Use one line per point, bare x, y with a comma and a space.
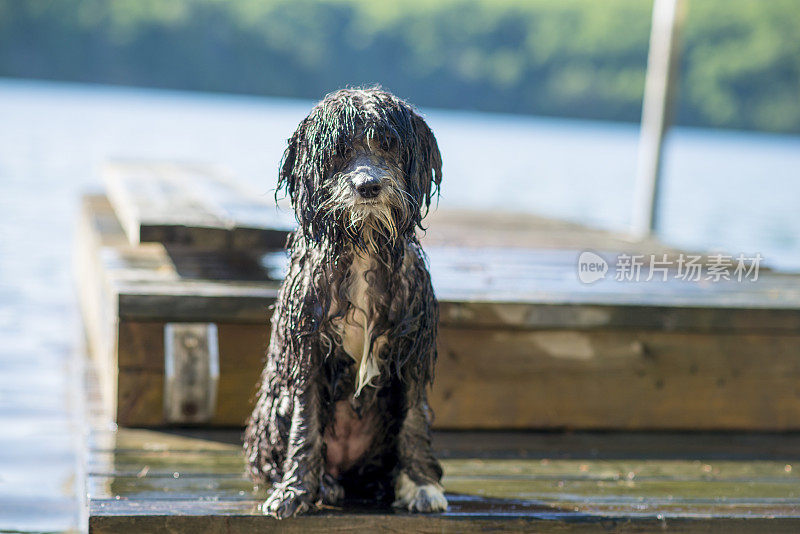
183, 204
523, 344
532, 379
193, 481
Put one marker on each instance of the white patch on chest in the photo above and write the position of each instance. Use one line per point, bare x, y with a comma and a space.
357, 325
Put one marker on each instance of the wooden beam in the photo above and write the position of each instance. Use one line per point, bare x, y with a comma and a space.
612, 379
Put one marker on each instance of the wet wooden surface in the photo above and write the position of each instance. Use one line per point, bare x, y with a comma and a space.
544, 482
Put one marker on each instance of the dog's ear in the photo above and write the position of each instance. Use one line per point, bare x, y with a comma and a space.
297, 172
429, 162
287, 178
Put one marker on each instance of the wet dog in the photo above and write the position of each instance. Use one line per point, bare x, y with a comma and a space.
342, 409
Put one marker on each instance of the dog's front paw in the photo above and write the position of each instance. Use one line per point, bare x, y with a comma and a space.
418, 497
287, 501
330, 491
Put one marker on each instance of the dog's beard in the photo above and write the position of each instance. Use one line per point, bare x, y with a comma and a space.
372, 224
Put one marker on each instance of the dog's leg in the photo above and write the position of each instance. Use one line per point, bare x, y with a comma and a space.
417, 487
303, 467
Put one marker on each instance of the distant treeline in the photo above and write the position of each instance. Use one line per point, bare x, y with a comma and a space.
575, 58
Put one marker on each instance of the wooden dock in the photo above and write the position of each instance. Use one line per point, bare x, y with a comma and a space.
526, 351
193, 481
672, 355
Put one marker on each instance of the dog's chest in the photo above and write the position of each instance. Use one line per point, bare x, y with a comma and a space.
357, 326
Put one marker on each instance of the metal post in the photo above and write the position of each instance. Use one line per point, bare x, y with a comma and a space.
659, 91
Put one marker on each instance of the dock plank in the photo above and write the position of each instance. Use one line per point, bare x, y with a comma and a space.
192, 205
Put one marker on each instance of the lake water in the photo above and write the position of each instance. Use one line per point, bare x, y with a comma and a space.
732, 191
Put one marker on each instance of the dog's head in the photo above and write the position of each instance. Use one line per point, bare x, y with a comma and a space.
362, 167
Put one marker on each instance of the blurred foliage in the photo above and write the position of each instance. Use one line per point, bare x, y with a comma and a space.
576, 58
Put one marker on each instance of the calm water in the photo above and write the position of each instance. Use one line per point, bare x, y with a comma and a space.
737, 192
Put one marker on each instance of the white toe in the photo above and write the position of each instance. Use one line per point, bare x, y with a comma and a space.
419, 497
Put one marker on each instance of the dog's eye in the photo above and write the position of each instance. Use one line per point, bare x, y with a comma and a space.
345, 151
388, 144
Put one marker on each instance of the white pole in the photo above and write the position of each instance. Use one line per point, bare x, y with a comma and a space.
658, 92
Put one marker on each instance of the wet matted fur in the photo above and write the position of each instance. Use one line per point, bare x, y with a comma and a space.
342, 410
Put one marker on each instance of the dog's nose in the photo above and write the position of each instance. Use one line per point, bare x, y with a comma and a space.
367, 186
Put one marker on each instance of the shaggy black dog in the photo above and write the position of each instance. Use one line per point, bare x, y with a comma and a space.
342, 408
